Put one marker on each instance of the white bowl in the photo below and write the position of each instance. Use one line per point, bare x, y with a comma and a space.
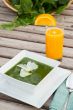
23, 85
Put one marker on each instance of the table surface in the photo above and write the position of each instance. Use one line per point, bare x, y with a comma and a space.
31, 38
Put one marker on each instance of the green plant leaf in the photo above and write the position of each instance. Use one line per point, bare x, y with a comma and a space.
18, 21
15, 2
25, 6
60, 9
63, 2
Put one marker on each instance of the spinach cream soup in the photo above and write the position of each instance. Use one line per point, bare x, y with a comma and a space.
29, 70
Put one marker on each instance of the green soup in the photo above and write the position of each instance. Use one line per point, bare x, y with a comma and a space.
37, 74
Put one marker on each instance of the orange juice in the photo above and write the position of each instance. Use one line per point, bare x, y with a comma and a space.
54, 43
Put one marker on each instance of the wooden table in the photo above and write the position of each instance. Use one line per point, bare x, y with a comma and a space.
31, 38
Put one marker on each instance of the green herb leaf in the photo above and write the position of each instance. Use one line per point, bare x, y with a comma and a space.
15, 2
25, 6
63, 2
19, 21
60, 9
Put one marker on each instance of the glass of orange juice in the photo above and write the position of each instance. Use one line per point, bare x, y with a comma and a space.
54, 43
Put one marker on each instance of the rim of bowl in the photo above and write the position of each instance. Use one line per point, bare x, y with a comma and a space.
6, 2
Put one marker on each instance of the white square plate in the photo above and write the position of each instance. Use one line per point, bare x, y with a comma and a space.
39, 97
